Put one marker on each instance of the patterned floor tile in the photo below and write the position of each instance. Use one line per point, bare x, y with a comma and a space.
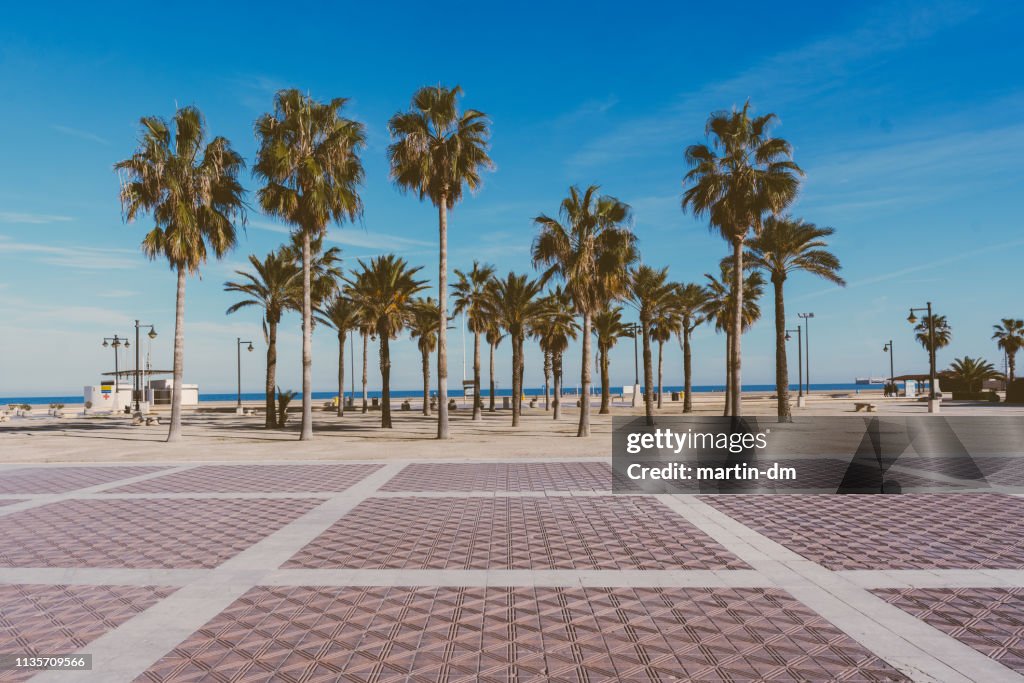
501, 476
599, 532
522, 634
163, 533
37, 619
312, 478
64, 479
994, 469
919, 531
990, 620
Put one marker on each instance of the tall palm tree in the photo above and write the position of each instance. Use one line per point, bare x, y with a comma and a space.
494, 336
436, 153
1009, 336
384, 290
590, 249
423, 319
721, 308
743, 175
665, 324
649, 292
943, 333
309, 162
691, 302
972, 372
608, 330
324, 269
342, 315
516, 307
190, 187
274, 285
554, 327
471, 298
786, 245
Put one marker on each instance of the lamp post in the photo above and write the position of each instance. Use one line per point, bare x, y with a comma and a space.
116, 343
634, 329
137, 380
892, 371
933, 401
807, 339
800, 401
238, 347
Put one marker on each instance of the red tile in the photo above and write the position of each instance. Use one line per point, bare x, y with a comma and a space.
299, 478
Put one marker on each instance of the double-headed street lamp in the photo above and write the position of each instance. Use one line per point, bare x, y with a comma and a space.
933, 404
137, 380
807, 337
116, 343
238, 345
633, 329
892, 372
799, 363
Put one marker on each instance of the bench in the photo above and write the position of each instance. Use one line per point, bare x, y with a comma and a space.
869, 407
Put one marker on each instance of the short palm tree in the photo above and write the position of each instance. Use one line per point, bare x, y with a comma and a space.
787, 245
342, 315
308, 160
721, 309
471, 298
666, 323
742, 176
608, 330
436, 153
423, 320
274, 285
590, 249
649, 292
384, 290
494, 336
691, 302
554, 327
972, 372
1009, 336
943, 333
190, 188
516, 306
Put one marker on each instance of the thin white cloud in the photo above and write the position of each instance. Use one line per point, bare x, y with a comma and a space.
353, 237
77, 257
82, 134
32, 218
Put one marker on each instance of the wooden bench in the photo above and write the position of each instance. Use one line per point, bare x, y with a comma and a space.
869, 407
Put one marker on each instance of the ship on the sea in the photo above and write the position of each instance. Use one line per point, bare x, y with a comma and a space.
869, 380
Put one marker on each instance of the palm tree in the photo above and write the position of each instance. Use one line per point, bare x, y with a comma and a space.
324, 268
309, 161
590, 249
649, 291
1009, 336
471, 298
786, 245
342, 315
721, 308
972, 372
494, 336
274, 285
423, 321
436, 152
193, 194
384, 290
554, 327
665, 324
742, 176
515, 305
943, 333
608, 329
691, 302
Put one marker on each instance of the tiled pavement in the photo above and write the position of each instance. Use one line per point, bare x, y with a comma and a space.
497, 572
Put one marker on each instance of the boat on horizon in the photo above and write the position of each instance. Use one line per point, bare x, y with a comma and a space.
869, 380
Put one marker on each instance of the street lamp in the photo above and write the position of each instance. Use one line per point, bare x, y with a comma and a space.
116, 343
633, 329
933, 403
892, 371
137, 380
238, 346
799, 363
807, 338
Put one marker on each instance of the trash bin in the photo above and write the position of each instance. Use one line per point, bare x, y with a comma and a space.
506, 402
675, 395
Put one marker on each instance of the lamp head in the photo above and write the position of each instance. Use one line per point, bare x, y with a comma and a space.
117, 342
127, 344
250, 346
152, 333
105, 344
788, 336
911, 318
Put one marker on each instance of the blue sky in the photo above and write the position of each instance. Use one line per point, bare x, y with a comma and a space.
906, 117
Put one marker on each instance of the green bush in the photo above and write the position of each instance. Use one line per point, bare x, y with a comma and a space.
990, 396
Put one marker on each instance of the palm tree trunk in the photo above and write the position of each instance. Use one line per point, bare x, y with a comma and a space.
307, 342
442, 330
556, 380
737, 328
517, 360
584, 429
271, 421
687, 372
174, 433
606, 390
781, 365
491, 408
648, 374
425, 366
366, 346
661, 345
1011, 361
477, 401
385, 381
547, 376
341, 373
728, 375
